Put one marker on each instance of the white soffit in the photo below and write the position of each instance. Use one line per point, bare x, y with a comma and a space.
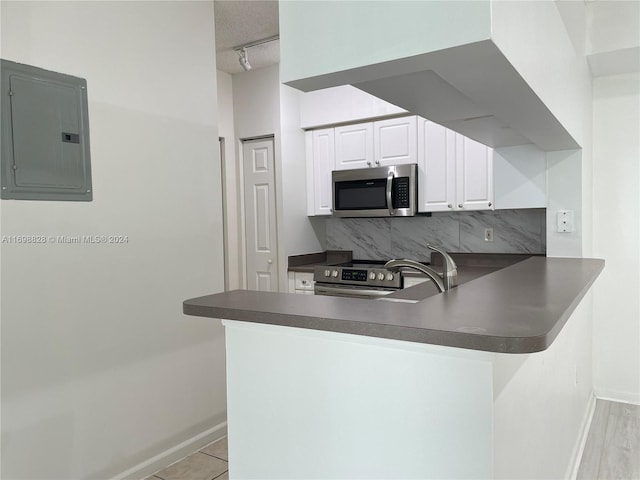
472, 89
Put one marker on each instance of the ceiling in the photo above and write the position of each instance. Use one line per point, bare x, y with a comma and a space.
239, 22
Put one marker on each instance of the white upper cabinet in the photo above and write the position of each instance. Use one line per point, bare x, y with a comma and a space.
395, 141
474, 175
456, 173
320, 162
437, 162
354, 146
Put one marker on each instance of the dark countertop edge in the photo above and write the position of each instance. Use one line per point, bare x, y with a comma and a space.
214, 306
305, 262
408, 334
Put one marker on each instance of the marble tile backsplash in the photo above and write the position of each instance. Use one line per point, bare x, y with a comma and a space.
514, 231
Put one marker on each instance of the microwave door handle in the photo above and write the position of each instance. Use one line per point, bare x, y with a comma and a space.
389, 196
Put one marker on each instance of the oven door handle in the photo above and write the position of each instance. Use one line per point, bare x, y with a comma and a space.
389, 196
344, 291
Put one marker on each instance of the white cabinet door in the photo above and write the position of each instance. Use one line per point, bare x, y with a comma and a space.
291, 282
437, 167
354, 146
320, 163
395, 141
474, 172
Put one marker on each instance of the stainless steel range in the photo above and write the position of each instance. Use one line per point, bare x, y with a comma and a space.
358, 280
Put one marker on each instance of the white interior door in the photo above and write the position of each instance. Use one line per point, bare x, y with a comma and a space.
260, 215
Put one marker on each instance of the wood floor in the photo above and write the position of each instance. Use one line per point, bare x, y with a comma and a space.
612, 450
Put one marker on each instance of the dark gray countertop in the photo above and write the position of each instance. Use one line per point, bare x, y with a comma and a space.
466, 273
518, 309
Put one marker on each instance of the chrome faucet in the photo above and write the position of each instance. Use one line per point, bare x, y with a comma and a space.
444, 281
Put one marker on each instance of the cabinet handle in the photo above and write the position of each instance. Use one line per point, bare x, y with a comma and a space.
450, 206
459, 205
304, 282
489, 203
369, 163
377, 162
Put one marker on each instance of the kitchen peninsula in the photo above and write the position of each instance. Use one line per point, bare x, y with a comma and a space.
351, 388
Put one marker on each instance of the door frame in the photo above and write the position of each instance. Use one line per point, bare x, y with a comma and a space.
282, 264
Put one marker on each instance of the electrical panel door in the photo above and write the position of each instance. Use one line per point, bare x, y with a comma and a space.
45, 135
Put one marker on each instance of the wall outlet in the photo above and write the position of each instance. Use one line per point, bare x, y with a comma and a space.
488, 234
565, 221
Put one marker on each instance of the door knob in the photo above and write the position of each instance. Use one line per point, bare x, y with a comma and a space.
269, 261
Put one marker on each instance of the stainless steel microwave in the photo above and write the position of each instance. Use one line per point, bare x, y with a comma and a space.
376, 192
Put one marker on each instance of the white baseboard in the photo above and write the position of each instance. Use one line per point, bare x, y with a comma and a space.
578, 449
620, 397
172, 455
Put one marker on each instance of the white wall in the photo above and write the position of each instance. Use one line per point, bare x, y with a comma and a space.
262, 106
256, 110
564, 192
616, 199
613, 38
342, 104
520, 177
612, 25
574, 17
533, 37
256, 102
300, 235
542, 403
101, 371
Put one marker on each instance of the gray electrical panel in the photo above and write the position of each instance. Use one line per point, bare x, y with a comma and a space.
45, 135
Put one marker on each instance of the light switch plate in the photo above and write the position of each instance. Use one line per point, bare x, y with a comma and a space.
565, 221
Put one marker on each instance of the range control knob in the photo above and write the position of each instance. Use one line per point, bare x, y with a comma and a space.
334, 274
372, 276
327, 273
381, 276
390, 276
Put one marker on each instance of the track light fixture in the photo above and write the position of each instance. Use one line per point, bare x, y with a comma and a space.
242, 50
244, 61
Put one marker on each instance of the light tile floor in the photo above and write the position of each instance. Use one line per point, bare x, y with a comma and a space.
209, 463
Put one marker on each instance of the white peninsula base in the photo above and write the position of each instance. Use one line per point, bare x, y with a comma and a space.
308, 404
